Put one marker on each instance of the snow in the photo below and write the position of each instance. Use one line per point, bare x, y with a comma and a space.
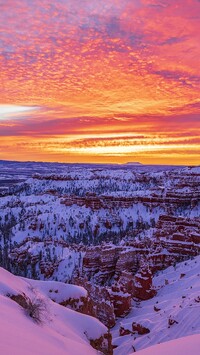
40, 225
20, 335
58, 291
182, 346
61, 332
32, 202
178, 291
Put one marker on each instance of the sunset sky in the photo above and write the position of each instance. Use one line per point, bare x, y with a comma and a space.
100, 81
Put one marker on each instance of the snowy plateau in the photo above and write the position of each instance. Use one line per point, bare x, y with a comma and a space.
99, 259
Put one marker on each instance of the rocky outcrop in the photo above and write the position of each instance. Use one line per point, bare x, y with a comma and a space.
103, 344
178, 237
121, 300
100, 263
143, 287
99, 305
126, 280
140, 329
123, 331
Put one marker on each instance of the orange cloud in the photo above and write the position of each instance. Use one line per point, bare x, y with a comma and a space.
90, 69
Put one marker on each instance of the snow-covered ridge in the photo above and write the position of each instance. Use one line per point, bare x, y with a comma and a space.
59, 331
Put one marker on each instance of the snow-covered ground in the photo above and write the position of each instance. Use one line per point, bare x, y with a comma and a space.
183, 346
173, 313
61, 331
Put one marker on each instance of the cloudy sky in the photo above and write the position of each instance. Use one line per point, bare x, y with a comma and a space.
100, 80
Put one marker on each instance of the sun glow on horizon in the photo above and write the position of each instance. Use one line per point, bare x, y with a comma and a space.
14, 110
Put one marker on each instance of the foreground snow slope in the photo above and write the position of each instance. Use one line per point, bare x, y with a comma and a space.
182, 346
172, 313
61, 331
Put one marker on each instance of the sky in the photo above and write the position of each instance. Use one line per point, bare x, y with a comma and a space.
100, 81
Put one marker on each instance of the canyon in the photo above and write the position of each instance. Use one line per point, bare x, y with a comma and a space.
108, 229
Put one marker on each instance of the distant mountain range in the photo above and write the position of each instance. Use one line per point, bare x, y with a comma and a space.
133, 163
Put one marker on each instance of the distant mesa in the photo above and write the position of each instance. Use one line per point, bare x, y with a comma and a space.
133, 163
